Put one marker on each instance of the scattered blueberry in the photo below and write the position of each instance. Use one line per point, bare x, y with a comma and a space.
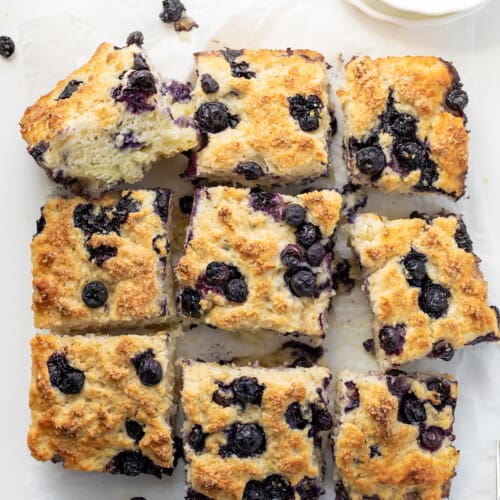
40, 223
273, 487
136, 37
244, 440
397, 383
267, 202
62, 375
212, 117
442, 388
250, 170
142, 81
431, 438
308, 489
433, 300
7, 46
392, 339
127, 205
208, 84
236, 290
190, 302
223, 396
442, 350
238, 69
134, 430
457, 99
342, 274
172, 11
303, 283
69, 90
352, 395
148, 369
307, 234
411, 410
370, 160
428, 176
133, 463
101, 254
375, 451
321, 417
217, 273
315, 254
247, 390
291, 255
306, 110
294, 215
196, 438
294, 417
414, 265
411, 155
404, 125
369, 346
462, 237
186, 204
94, 294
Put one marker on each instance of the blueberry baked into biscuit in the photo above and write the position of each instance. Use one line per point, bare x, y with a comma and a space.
103, 263
254, 433
108, 121
256, 260
426, 291
393, 436
103, 403
405, 125
265, 115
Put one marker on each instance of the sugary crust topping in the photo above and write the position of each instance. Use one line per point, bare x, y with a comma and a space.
381, 246
135, 278
289, 452
86, 430
419, 86
378, 454
266, 133
226, 228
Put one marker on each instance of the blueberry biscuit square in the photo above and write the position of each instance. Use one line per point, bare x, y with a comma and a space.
393, 436
426, 291
265, 114
256, 260
109, 121
405, 125
103, 403
103, 263
254, 432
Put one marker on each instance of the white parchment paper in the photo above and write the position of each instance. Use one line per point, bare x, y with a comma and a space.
53, 37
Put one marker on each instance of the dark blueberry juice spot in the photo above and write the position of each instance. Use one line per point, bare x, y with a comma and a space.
307, 234
101, 254
247, 390
414, 265
208, 84
392, 339
244, 440
433, 300
212, 117
190, 302
94, 294
370, 160
431, 438
186, 204
352, 395
62, 375
303, 283
133, 463
411, 410
294, 417
148, 369
291, 255
217, 273
7, 46
308, 489
294, 215
134, 430
462, 237
457, 100
179, 91
172, 11
315, 254
69, 90
306, 110
411, 155
38, 150
442, 350
196, 438
375, 451
236, 290
321, 417
125, 206
136, 37
250, 170
40, 224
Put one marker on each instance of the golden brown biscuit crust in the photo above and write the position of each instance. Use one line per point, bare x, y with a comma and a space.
266, 133
290, 453
137, 278
418, 85
86, 430
376, 453
225, 228
382, 244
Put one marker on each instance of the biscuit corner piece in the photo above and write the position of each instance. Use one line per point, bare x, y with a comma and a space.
265, 114
103, 403
426, 291
107, 122
103, 263
393, 436
254, 432
259, 261
405, 125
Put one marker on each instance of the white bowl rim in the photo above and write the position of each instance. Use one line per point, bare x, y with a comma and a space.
434, 7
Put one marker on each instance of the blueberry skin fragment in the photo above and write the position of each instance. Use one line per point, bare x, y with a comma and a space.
62, 375
190, 302
442, 388
94, 294
136, 37
353, 396
442, 350
148, 369
462, 237
69, 90
38, 150
161, 204
172, 11
308, 489
196, 438
7, 46
208, 84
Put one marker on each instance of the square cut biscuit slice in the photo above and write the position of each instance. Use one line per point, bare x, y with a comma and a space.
254, 432
103, 403
265, 114
259, 261
103, 263
109, 121
393, 436
426, 291
405, 125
